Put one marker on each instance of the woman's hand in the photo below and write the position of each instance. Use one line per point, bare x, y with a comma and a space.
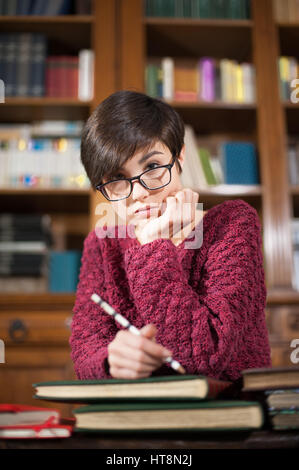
135, 357
179, 212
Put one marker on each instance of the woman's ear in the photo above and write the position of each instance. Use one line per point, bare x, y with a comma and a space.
181, 157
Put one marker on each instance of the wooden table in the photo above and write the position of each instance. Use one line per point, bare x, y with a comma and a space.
261, 439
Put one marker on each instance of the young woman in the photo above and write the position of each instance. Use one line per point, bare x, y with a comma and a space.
203, 303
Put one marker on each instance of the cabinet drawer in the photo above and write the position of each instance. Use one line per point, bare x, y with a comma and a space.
35, 327
283, 321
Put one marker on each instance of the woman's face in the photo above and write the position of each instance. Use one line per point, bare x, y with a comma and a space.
141, 197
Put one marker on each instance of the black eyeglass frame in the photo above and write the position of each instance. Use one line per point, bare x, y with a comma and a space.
100, 187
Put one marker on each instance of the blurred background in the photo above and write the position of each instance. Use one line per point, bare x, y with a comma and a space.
229, 67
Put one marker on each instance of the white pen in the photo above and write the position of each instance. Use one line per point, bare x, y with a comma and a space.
125, 323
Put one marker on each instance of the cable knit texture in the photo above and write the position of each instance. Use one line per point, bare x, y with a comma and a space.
207, 303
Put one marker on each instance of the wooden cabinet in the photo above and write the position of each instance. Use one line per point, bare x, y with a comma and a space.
35, 330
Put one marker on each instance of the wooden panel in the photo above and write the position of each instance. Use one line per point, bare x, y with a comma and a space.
272, 148
132, 45
104, 46
40, 327
283, 322
26, 366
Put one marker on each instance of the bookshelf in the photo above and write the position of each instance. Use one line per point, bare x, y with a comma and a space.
35, 327
260, 40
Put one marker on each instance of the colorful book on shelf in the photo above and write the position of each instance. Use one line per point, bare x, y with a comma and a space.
207, 79
239, 163
197, 174
186, 85
64, 268
205, 9
29, 422
216, 415
165, 388
204, 156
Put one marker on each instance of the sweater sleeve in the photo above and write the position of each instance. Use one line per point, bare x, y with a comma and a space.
91, 329
204, 329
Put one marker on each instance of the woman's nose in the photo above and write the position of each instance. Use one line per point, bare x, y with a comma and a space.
138, 191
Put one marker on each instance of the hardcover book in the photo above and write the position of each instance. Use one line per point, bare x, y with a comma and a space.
174, 387
170, 416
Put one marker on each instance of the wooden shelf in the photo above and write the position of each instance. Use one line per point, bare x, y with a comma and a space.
44, 101
74, 19
27, 109
211, 105
282, 297
12, 301
223, 23
294, 190
67, 33
290, 105
185, 37
237, 190
44, 191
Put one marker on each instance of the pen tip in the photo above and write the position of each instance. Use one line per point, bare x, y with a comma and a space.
96, 298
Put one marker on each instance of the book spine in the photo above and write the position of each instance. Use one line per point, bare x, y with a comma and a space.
23, 64
86, 74
168, 78
208, 79
38, 66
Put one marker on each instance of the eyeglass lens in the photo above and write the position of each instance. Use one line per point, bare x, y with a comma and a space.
153, 179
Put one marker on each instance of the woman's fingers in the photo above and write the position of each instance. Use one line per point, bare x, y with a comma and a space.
139, 362
146, 345
121, 373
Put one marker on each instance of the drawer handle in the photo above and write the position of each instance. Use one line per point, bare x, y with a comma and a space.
18, 331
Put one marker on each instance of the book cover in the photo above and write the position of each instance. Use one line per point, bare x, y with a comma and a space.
214, 415
270, 378
204, 156
161, 388
239, 163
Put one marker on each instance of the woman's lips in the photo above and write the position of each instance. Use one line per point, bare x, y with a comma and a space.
146, 212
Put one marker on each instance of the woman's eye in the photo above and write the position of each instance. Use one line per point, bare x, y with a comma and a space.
150, 165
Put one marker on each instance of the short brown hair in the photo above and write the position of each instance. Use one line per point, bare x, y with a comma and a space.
121, 125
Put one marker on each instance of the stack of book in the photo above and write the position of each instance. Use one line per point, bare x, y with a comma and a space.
286, 10
44, 7
205, 79
288, 75
235, 163
27, 72
278, 390
25, 242
167, 403
19, 421
42, 155
229, 9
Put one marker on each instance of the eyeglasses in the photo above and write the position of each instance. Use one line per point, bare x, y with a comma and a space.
119, 189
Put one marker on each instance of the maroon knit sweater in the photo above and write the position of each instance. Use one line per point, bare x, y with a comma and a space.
208, 303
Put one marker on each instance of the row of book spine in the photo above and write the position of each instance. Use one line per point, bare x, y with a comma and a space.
28, 260
44, 7
42, 163
229, 9
27, 70
206, 79
289, 75
235, 163
286, 10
